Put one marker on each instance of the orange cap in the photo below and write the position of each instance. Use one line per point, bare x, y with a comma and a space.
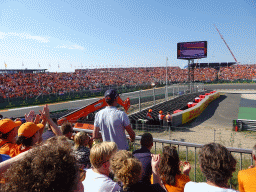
150, 110
160, 112
29, 129
6, 125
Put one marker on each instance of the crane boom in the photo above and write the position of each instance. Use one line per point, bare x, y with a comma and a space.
226, 44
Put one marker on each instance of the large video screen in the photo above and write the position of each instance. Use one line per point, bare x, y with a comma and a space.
192, 50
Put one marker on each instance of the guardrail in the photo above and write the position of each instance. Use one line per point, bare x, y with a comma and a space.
244, 125
188, 145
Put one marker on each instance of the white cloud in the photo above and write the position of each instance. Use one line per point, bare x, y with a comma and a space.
70, 47
24, 36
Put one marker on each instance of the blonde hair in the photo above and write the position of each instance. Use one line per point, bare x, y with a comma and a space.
126, 168
80, 138
102, 152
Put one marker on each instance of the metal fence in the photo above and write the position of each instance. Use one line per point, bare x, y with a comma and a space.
243, 156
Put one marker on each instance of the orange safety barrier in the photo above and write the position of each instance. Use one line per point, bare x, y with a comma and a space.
84, 126
197, 99
190, 104
177, 111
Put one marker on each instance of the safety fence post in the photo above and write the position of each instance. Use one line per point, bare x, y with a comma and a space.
139, 100
154, 96
173, 91
166, 94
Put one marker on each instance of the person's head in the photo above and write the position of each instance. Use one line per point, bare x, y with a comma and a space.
81, 139
126, 168
28, 134
9, 129
150, 110
168, 113
217, 163
169, 165
48, 167
67, 129
100, 155
160, 112
111, 96
146, 140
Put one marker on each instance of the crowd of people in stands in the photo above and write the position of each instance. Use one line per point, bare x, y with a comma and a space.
33, 85
38, 155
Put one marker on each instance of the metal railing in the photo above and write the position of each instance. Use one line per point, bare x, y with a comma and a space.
244, 125
238, 151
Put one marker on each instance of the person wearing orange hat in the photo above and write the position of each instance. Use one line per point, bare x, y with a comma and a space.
8, 133
149, 114
161, 118
149, 117
28, 135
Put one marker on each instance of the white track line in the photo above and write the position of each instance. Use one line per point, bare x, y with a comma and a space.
22, 108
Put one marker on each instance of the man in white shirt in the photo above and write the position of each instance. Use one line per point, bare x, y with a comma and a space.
97, 179
113, 122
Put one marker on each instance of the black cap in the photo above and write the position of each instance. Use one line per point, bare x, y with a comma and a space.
111, 94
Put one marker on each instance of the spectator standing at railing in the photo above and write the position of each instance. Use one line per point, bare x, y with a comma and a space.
8, 134
53, 129
112, 123
144, 156
169, 170
67, 130
247, 178
97, 179
82, 153
29, 135
217, 165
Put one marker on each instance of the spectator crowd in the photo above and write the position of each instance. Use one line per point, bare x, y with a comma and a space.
38, 155
31, 85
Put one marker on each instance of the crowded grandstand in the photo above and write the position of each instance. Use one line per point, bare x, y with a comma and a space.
33, 84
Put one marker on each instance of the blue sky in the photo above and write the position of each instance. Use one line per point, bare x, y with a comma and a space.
121, 33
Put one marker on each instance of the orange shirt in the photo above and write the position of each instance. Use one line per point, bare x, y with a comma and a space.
6, 146
246, 180
16, 150
180, 182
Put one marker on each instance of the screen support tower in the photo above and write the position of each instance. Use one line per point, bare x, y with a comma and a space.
191, 75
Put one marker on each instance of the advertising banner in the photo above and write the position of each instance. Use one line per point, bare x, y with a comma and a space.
198, 109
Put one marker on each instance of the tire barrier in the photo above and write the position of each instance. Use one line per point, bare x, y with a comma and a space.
177, 103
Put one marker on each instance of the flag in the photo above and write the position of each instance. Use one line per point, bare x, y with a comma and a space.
22, 64
39, 65
5, 65
70, 65
58, 65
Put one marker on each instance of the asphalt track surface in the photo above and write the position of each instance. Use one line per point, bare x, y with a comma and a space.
220, 112
19, 112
